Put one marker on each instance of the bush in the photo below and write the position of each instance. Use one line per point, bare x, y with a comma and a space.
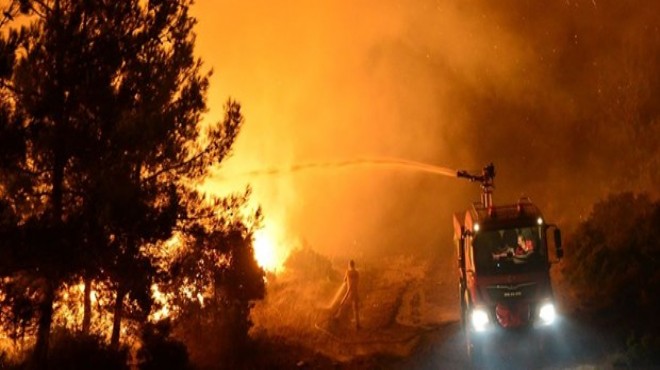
160, 351
216, 335
71, 351
611, 263
639, 352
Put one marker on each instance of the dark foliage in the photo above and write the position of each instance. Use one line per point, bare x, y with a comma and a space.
101, 148
220, 266
161, 351
612, 261
73, 351
18, 308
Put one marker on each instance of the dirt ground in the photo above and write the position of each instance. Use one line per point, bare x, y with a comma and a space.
409, 320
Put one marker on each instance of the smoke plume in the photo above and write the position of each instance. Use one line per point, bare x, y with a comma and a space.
561, 96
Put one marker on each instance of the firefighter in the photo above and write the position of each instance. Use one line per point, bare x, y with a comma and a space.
351, 279
525, 247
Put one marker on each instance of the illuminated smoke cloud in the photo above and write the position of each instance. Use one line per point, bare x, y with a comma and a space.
541, 89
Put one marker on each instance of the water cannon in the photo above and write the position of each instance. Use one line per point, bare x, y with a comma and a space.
486, 178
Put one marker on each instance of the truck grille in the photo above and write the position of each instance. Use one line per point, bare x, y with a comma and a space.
503, 292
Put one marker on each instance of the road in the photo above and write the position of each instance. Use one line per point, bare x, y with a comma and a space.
572, 346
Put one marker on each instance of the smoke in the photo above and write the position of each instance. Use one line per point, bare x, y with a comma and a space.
559, 95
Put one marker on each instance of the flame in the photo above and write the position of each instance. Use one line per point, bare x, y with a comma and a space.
161, 300
266, 248
270, 251
93, 295
69, 308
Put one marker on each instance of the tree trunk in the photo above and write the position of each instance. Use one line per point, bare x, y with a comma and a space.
46, 305
119, 311
57, 182
50, 274
45, 321
87, 309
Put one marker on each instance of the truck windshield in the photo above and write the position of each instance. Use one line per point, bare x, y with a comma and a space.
510, 250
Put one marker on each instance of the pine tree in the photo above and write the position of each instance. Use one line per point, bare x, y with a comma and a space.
102, 104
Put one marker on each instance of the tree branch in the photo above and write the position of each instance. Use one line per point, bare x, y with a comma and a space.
43, 5
175, 167
8, 14
27, 172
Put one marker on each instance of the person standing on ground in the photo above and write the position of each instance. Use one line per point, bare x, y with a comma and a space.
351, 279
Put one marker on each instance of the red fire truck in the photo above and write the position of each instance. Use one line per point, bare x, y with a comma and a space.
504, 269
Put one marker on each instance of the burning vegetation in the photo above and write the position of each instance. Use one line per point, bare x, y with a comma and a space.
103, 230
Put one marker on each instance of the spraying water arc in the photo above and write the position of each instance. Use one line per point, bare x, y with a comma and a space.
486, 178
376, 161
266, 239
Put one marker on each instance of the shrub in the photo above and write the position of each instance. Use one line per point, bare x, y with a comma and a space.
161, 351
611, 263
72, 351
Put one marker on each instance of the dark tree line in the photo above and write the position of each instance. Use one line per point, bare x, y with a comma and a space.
101, 148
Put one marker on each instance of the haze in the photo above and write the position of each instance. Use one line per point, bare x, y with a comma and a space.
561, 96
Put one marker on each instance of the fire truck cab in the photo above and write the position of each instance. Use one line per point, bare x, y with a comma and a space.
504, 268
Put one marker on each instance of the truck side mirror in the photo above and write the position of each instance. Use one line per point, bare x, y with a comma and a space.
560, 250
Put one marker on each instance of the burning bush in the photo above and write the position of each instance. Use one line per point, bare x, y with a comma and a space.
310, 265
213, 284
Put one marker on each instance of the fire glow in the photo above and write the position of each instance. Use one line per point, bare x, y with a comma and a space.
266, 251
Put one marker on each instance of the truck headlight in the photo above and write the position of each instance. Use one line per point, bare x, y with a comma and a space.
479, 319
547, 313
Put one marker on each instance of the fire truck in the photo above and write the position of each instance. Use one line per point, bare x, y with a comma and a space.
504, 269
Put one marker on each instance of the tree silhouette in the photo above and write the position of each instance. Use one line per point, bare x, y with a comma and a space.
221, 278
101, 110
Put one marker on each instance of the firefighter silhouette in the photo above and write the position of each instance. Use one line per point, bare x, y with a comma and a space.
351, 279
